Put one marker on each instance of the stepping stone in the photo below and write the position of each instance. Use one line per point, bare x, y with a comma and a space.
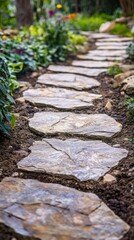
88, 125
103, 35
77, 70
99, 58
108, 53
74, 81
60, 98
116, 39
112, 47
112, 44
51, 211
85, 160
92, 64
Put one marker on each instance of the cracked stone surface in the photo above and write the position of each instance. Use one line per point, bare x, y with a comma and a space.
77, 70
108, 53
99, 58
92, 64
90, 125
73, 81
51, 211
60, 98
85, 160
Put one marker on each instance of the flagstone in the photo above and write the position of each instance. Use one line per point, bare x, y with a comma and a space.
112, 47
90, 125
85, 160
60, 98
51, 211
116, 39
92, 64
77, 70
108, 53
73, 81
112, 44
100, 58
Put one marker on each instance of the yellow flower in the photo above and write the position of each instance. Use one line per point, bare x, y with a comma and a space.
58, 6
4, 37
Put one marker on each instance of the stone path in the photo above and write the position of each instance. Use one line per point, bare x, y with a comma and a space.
54, 212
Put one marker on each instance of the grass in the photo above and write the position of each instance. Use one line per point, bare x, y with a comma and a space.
122, 30
92, 23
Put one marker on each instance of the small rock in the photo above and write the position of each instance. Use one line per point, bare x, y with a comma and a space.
129, 85
122, 93
116, 172
106, 27
122, 20
20, 100
16, 115
34, 74
108, 105
126, 139
21, 153
116, 145
15, 174
14, 239
108, 178
1, 171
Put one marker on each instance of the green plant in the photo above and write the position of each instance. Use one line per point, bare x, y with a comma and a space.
7, 85
130, 51
77, 39
114, 70
92, 23
121, 29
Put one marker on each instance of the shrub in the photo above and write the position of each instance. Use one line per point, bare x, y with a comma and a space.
121, 29
92, 23
7, 86
130, 51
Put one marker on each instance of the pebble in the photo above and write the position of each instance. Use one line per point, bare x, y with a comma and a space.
108, 178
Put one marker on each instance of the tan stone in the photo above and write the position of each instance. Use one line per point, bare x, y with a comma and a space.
112, 47
129, 85
60, 98
120, 77
85, 160
20, 100
90, 125
106, 27
92, 64
73, 81
51, 211
77, 70
118, 44
108, 178
108, 105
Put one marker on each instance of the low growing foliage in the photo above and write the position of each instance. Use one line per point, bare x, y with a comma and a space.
130, 51
7, 85
114, 70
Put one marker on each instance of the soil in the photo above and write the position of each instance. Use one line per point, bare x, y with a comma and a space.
118, 196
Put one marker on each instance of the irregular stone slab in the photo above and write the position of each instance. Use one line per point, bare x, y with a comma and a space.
85, 160
108, 53
60, 98
90, 125
51, 211
100, 44
112, 47
77, 70
116, 39
102, 35
68, 80
99, 58
92, 64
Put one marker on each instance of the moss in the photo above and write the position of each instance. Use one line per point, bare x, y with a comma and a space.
122, 29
